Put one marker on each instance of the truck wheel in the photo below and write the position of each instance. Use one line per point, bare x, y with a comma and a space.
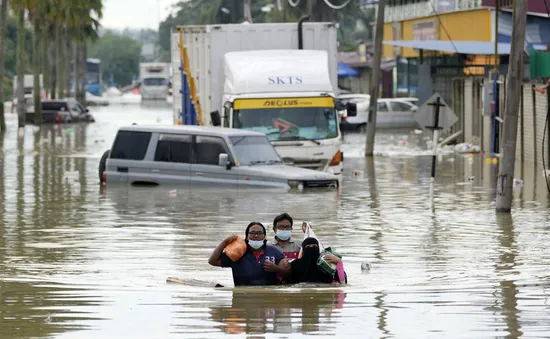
103, 165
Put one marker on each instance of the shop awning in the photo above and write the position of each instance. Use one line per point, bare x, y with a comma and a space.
459, 47
345, 71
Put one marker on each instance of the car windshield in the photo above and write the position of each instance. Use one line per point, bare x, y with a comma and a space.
296, 123
252, 150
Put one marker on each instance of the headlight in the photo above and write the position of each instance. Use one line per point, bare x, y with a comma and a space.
295, 184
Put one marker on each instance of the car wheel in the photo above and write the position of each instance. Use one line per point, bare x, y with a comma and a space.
362, 128
103, 165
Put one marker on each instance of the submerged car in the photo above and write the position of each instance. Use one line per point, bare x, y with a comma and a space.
197, 155
62, 111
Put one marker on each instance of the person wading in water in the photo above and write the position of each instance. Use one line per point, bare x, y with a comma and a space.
260, 263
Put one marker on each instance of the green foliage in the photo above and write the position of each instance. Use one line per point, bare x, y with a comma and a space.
202, 12
120, 55
11, 60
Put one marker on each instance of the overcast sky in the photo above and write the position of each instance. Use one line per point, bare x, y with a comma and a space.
135, 13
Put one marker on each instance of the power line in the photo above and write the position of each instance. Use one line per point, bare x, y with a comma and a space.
294, 4
329, 4
443, 26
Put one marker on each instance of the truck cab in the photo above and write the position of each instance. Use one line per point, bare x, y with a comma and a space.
154, 79
288, 95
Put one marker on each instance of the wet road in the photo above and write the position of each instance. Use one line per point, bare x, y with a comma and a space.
77, 261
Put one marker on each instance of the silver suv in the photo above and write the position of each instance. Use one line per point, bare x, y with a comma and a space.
197, 155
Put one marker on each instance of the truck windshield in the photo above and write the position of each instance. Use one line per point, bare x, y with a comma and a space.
252, 150
155, 82
294, 123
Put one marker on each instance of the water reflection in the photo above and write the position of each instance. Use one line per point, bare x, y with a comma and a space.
506, 267
94, 258
306, 312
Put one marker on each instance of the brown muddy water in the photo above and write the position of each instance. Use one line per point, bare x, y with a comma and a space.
78, 261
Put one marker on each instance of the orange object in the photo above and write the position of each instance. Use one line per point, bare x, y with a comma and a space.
236, 249
336, 159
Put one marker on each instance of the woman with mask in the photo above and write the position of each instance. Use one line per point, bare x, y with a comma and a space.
260, 263
305, 269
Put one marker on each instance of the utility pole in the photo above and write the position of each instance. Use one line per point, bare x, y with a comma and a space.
505, 179
247, 11
495, 75
375, 83
310, 8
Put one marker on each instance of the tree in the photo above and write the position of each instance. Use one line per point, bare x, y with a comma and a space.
85, 25
19, 8
3, 17
36, 10
120, 56
201, 12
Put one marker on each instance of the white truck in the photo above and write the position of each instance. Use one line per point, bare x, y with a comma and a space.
154, 78
28, 90
260, 79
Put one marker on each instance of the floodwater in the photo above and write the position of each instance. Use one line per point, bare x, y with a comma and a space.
78, 261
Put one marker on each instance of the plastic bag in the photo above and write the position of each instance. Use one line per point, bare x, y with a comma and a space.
235, 249
308, 233
324, 265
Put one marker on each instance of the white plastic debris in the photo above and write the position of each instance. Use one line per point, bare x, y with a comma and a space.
418, 131
173, 193
467, 148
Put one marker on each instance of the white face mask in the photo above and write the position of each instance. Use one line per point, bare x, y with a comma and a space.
256, 244
284, 234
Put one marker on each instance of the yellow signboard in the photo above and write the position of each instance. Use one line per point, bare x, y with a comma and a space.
283, 103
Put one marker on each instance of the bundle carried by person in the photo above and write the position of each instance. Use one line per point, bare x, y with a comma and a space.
322, 263
235, 249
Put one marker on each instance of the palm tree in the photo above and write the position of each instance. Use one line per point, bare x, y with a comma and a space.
36, 12
18, 7
3, 15
84, 24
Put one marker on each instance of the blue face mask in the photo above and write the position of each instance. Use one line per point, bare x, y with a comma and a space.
284, 235
256, 244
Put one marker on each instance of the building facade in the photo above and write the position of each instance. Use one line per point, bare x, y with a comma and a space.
451, 21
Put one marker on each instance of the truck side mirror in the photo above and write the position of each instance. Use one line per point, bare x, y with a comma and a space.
216, 118
338, 105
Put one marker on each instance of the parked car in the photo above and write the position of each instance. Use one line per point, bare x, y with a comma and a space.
391, 112
61, 111
197, 155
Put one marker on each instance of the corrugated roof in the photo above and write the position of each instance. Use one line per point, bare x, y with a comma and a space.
459, 47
